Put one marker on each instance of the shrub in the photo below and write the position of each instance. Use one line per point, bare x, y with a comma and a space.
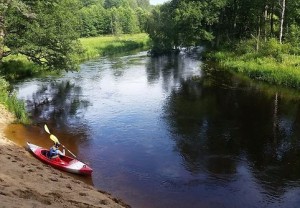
11, 102
246, 46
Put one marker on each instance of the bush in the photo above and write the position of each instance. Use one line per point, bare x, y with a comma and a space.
274, 49
246, 46
11, 102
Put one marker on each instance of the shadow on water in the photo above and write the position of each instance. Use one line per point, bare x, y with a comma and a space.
218, 120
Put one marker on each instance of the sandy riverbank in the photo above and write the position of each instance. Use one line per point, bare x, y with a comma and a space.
26, 182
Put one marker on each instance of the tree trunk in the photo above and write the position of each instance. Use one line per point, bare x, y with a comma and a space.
272, 21
282, 20
265, 22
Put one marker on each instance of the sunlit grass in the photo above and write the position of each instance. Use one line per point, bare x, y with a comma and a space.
107, 45
283, 70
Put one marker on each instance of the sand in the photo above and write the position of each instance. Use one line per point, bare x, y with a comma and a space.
27, 182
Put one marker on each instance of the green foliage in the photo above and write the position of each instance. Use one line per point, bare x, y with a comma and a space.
18, 69
95, 21
10, 101
188, 23
246, 46
293, 37
113, 17
43, 31
182, 24
128, 20
161, 29
273, 63
114, 3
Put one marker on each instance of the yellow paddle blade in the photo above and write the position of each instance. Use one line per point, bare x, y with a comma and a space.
46, 129
54, 138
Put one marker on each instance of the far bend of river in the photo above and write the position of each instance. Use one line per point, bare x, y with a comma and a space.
172, 132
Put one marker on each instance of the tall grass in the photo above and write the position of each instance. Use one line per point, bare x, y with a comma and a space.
108, 45
273, 63
11, 102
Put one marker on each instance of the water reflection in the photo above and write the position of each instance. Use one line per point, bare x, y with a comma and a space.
171, 70
217, 120
58, 101
60, 105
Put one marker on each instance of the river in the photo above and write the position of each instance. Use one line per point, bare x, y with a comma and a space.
172, 131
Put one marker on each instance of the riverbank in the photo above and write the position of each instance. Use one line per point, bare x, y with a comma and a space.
274, 63
26, 182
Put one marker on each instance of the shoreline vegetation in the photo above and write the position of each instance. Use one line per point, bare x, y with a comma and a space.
274, 63
110, 45
17, 67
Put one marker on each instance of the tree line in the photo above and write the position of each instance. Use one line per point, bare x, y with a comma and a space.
47, 32
113, 17
186, 23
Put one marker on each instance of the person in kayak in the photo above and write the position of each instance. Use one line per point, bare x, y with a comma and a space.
54, 151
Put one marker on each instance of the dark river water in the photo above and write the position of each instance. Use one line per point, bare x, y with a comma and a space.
172, 132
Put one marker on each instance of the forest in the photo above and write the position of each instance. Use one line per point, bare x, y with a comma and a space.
186, 23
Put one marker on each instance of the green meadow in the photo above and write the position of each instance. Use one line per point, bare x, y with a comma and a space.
108, 45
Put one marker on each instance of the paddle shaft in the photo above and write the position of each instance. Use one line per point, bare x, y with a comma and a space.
68, 150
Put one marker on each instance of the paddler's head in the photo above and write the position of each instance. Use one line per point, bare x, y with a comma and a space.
57, 144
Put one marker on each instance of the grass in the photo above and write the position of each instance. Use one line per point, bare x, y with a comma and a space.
108, 45
281, 69
11, 102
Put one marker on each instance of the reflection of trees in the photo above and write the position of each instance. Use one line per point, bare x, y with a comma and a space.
217, 118
169, 68
60, 105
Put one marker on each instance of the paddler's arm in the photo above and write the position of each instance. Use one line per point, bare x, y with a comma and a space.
63, 153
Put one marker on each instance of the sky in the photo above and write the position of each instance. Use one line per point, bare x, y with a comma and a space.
155, 2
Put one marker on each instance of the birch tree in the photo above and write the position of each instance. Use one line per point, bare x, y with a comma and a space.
282, 6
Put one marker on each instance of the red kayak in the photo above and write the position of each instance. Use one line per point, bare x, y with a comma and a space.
64, 163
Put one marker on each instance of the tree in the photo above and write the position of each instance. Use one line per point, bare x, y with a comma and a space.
161, 29
44, 31
183, 23
128, 20
142, 16
282, 5
22, 9
114, 3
